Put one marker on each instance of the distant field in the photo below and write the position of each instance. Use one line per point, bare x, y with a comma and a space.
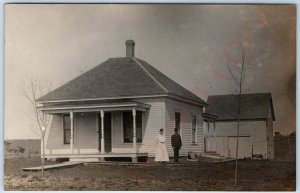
22, 148
253, 176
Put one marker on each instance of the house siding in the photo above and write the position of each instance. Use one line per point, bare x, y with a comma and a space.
53, 136
253, 133
270, 138
186, 111
86, 136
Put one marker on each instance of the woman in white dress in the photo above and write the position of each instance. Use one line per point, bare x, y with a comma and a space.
161, 149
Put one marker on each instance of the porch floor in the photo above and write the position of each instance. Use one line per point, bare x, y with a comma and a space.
105, 155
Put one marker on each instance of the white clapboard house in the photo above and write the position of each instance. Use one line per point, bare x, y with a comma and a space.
256, 125
116, 110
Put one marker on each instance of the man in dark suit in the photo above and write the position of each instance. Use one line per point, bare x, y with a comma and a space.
176, 144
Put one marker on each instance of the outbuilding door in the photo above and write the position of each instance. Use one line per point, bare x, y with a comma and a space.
244, 147
107, 132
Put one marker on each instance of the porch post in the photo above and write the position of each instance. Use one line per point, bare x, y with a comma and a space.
215, 145
134, 129
72, 131
102, 131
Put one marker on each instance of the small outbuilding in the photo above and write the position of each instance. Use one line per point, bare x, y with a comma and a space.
256, 125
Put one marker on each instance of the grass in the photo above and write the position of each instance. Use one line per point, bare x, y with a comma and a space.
253, 176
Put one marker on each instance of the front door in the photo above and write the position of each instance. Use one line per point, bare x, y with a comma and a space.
107, 132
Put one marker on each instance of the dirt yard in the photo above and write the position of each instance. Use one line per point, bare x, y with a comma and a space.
253, 176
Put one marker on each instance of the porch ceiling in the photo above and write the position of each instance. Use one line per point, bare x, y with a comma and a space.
95, 107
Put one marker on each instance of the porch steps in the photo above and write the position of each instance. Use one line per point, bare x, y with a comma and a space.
213, 155
118, 163
47, 167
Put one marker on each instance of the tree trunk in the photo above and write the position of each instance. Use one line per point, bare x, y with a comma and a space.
237, 153
238, 134
43, 154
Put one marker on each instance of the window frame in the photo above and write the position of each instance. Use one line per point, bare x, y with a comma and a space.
141, 128
64, 130
178, 112
196, 129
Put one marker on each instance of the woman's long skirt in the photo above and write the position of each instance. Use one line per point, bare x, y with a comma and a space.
161, 153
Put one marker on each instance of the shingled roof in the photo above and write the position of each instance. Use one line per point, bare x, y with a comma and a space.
253, 106
120, 77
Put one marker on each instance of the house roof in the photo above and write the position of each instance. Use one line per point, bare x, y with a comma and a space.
120, 77
253, 106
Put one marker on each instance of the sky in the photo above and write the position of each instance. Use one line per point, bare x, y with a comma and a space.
189, 43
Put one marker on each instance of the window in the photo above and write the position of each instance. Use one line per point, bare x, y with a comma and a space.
128, 127
194, 127
67, 129
208, 124
177, 121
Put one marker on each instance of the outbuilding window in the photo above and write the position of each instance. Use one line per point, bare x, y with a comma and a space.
128, 127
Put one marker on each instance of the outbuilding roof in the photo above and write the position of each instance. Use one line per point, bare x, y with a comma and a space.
253, 106
120, 77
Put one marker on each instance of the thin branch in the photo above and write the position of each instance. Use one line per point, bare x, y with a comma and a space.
231, 73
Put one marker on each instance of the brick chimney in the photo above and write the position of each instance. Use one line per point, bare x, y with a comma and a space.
129, 48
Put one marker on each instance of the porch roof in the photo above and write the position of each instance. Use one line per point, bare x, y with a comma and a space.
94, 107
209, 117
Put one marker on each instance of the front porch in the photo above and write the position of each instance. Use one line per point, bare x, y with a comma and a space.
93, 132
